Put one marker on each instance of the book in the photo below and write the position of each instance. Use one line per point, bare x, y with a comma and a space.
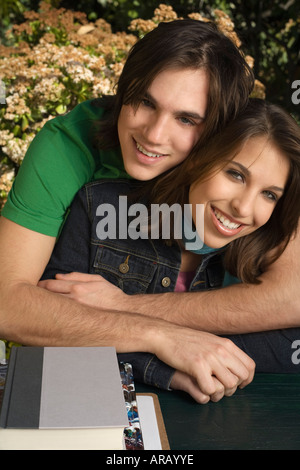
133, 439
63, 398
145, 429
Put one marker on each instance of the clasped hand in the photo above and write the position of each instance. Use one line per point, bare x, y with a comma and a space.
206, 366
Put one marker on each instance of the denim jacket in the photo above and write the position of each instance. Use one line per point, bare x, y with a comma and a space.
136, 266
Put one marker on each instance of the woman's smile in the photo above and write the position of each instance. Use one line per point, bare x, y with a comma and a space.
226, 225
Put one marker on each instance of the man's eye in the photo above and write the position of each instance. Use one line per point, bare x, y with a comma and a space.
146, 102
187, 121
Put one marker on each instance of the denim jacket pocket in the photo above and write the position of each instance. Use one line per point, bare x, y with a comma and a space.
127, 270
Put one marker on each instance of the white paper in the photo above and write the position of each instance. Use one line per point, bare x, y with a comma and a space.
148, 422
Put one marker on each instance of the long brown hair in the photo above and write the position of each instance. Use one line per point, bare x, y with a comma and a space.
183, 44
249, 256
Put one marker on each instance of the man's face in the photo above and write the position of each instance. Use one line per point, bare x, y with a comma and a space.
160, 133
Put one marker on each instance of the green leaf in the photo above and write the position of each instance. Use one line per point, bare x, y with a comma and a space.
16, 130
61, 109
24, 123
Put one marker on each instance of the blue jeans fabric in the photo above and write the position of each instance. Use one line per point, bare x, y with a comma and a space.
143, 266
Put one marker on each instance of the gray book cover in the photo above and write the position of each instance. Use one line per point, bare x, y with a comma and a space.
61, 388
81, 387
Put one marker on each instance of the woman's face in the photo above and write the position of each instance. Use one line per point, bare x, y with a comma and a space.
162, 131
241, 197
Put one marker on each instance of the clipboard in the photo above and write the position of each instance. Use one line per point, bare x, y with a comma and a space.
152, 422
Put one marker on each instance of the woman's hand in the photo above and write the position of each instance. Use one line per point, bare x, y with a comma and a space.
188, 384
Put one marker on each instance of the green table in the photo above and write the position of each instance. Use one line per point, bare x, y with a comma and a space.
263, 416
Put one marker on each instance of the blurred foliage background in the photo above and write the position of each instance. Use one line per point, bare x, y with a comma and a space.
268, 29
49, 61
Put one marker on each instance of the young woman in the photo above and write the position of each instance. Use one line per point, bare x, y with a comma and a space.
247, 180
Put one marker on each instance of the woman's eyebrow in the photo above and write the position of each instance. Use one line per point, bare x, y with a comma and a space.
241, 167
190, 114
247, 172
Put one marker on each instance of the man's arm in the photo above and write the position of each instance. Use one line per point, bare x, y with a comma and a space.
240, 308
28, 314
33, 316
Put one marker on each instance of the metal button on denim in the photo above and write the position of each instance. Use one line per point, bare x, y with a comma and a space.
166, 281
124, 268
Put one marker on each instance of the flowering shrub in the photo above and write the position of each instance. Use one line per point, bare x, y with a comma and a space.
58, 59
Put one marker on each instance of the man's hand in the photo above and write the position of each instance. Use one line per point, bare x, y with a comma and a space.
87, 289
210, 367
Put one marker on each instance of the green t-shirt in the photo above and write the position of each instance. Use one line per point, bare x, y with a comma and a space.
59, 161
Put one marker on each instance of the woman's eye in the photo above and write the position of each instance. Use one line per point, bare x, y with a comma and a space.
236, 175
271, 196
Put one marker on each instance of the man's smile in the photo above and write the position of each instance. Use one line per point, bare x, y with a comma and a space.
148, 153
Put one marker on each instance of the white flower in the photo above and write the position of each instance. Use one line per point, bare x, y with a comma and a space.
80, 73
15, 148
